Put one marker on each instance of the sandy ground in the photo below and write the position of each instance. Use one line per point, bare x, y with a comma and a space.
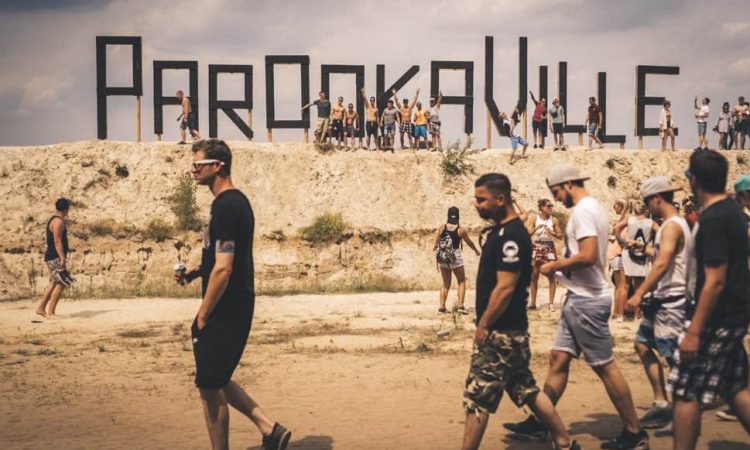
346, 372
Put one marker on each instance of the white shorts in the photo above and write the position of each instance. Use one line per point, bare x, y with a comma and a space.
459, 262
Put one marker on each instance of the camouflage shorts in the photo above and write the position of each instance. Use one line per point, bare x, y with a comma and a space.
501, 364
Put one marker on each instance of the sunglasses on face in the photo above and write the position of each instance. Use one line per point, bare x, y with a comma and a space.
198, 165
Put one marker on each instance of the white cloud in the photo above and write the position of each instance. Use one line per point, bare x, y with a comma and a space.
44, 92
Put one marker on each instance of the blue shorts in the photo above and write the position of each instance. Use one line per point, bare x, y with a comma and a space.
702, 127
593, 128
516, 140
420, 131
189, 123
584, 328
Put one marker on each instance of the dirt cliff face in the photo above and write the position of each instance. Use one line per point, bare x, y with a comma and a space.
391, 204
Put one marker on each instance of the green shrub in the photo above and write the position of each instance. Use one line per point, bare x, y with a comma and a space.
326, 227
184, 204
104, 227
158, 230
456, 160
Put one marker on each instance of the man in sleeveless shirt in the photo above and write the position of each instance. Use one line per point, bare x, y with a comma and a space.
222, 325
664, 313
371, 120
56, 258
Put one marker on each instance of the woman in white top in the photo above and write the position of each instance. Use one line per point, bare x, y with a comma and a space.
667, 125
544, 229
723, 125
622, 209
637, 231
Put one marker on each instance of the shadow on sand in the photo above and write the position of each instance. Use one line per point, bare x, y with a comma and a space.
88, 314
728, 445
601, 426
307, 443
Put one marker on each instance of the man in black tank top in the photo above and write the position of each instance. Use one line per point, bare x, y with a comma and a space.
222, 326
55, 256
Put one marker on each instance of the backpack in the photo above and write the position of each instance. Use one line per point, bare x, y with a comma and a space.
446, 254
638, 256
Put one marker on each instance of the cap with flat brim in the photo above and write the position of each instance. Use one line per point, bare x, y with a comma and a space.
656, 185
742, 184
563, 173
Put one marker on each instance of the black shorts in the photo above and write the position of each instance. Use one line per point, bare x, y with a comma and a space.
539, 126
338, 127
557, 128
217, 349
189, 123
372, 128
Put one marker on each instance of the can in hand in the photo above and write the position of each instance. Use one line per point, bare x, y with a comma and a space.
180, 270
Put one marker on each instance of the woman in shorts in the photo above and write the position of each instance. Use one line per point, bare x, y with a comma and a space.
638, 231
544, 229
447, 247
614, 256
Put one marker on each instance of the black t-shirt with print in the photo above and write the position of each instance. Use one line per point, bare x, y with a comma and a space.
508, 249
231, 220
722, 239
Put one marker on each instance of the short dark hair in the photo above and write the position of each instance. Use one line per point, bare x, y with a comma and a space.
216, 149
497, 183
62, 204
710, 169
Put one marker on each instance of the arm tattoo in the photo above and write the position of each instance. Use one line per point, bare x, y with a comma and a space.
224, 246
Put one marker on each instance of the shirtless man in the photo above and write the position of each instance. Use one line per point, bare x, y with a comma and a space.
742, 128
406, 125
352, 124
337, 121
187, 118
371, 117
388, 121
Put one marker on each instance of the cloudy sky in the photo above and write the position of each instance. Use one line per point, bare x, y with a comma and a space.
48, 73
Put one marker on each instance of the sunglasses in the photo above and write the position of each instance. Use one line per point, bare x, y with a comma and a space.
198, 165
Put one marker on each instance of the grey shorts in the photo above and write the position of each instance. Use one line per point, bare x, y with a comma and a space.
584, 328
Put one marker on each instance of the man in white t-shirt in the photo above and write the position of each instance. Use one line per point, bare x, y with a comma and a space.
702, 118
584, 322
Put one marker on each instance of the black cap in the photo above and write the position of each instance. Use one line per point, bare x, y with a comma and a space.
453, 215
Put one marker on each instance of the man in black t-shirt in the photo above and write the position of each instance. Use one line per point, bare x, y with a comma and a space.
222, 325
711, 360
324, 112
500, 359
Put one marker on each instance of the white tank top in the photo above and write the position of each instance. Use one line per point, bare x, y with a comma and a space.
541, 235
673, 283
639, 230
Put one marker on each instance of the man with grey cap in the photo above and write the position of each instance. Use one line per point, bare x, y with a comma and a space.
584, 321
664, 312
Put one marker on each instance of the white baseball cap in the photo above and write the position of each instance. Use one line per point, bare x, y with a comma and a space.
562, 173
656, 185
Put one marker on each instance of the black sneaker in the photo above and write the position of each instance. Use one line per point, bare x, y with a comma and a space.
278, 439
528, 429
628, 441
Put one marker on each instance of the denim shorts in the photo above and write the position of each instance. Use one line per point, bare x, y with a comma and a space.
584, 328
515, 140
702, 127
420, 131
593, 128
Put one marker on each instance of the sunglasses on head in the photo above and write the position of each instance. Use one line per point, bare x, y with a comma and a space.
198, 165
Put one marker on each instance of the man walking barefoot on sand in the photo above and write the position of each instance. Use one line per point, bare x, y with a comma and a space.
500, 359
664, 313
222, 325
711, 360
584, 322
56, 258
187, 118
406, 126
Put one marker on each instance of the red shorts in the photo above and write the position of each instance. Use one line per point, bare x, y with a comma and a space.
544, 252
